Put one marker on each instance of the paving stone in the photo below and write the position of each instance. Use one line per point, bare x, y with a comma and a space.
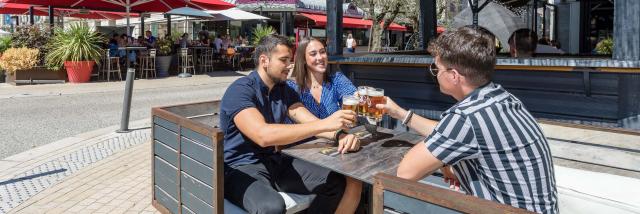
35, 179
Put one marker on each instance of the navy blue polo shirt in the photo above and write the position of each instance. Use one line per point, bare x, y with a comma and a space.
251, 92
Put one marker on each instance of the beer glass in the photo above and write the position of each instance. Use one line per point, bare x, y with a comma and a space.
350, 102
363, 104
376, 96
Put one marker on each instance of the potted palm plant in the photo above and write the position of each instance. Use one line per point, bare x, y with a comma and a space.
163, 58
260, 32
78, 49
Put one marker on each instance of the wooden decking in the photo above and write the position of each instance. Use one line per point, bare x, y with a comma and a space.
612, 151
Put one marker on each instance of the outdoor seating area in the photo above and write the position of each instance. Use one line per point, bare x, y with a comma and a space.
321, 106
151, 54
191, 133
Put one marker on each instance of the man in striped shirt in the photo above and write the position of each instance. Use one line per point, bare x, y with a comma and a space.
494, 146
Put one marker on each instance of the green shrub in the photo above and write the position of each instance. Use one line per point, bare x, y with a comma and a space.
32, 36
260, 32
5, 43
76, 43
164, 47
605, 46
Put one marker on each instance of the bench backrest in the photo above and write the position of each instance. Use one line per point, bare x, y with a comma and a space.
187, 166
404, 196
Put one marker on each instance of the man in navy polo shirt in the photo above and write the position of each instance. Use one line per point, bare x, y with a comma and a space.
252, 115
151, 40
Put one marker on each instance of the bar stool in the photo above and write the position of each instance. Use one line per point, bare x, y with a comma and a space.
112, 65
206, 60
148, 64
186, 61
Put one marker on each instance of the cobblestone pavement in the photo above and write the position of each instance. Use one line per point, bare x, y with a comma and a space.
91, 174
119, 184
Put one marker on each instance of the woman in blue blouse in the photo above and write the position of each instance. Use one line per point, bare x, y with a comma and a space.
321, 92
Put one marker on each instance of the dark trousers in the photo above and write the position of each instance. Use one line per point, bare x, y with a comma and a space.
255, 187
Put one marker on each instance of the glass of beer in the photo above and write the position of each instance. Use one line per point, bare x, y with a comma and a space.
350, 102
376, 96
363, 104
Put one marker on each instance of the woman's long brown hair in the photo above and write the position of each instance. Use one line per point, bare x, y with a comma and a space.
300, 71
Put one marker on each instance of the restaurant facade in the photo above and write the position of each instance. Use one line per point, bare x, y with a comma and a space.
299, 18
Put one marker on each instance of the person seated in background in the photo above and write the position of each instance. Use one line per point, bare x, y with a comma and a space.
204, 40
226, 42
522, 43
488, 142
137, 42
123, 43
113, 46
253, 112
203, 33
184, 40
218, 43
151, 40
321, 92
238, 41
545, 46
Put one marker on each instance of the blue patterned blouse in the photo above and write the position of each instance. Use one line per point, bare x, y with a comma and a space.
331, 98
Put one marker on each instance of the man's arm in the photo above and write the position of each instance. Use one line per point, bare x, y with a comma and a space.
301, 115
418, 163
346, 143
421, 125
252, 124
451, 140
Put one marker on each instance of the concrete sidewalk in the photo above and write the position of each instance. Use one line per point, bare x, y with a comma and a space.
97, 87
96, 172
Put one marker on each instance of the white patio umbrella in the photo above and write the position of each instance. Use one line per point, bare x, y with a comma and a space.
234, 14
501, 21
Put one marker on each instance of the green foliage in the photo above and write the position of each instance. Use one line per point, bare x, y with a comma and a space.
77, 43
175, 36
605, 46
5, 43
164, 47
260, 32
32, 36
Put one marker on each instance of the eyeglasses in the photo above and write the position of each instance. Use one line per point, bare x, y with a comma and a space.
433, 69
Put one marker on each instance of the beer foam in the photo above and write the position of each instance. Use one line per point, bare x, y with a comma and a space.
350, 102
362, 91
376, 93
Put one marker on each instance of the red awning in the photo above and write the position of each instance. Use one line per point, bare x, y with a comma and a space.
23, 9
321, 20
136, 5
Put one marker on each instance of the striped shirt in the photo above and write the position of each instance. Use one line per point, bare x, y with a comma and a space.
497, 150
331, 98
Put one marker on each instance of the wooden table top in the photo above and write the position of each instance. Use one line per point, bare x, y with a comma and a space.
380, 154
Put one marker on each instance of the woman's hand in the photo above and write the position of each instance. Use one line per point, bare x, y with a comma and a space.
348, 143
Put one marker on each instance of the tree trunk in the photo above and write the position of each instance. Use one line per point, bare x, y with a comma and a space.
384, 18
377, 33
372, 14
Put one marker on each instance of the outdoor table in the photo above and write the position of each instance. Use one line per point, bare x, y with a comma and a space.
380, 154
197, 50
133, 48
